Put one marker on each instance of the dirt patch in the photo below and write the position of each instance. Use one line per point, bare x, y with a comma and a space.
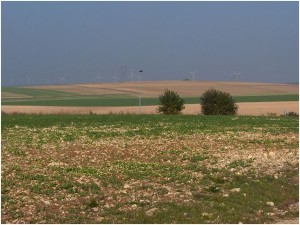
291, 221
249, 108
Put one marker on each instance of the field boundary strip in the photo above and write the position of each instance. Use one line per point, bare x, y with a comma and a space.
244, 108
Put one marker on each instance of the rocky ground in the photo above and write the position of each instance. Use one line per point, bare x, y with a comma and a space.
205, 177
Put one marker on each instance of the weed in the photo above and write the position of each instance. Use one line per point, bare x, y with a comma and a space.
92, 203
213, 189
36, 188
199, 195
197, 158
239, 163
17, 152
193, 167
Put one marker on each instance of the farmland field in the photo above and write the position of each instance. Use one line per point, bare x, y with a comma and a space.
106, 98
244, 108
126, 94
116, 100
149, 169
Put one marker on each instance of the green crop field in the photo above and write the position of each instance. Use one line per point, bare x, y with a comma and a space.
267, 98
84, 101
149, 169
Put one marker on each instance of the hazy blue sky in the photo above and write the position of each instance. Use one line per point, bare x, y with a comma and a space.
44, 41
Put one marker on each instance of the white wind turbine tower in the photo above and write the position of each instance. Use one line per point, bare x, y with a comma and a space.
123, 72
12, 81
132, 75
99, 77
62, 80
236, 76
193, 74
28, 80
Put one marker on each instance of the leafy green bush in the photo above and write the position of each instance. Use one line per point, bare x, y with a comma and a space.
170, 103
214, 102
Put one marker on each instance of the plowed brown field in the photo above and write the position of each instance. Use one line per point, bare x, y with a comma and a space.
184, 88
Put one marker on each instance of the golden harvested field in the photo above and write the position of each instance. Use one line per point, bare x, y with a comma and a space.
184, 88
245, 108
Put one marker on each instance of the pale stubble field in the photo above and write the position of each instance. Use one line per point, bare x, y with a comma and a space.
244, 108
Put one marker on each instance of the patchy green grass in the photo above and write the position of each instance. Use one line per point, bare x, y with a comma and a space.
148, 169
131, 125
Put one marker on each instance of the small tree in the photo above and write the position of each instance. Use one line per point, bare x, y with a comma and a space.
214, 102
170, 103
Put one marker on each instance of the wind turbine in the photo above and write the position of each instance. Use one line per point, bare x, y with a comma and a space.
12, 81
99, 77
123, 69
236, 76
131, 75
62, 80
193, 74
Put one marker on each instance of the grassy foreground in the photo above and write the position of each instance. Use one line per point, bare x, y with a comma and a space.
148, 169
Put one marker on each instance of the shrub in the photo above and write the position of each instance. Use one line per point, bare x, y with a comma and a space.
170, 103
214, 102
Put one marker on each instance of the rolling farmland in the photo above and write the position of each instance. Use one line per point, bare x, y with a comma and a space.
125, 168
121, 97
